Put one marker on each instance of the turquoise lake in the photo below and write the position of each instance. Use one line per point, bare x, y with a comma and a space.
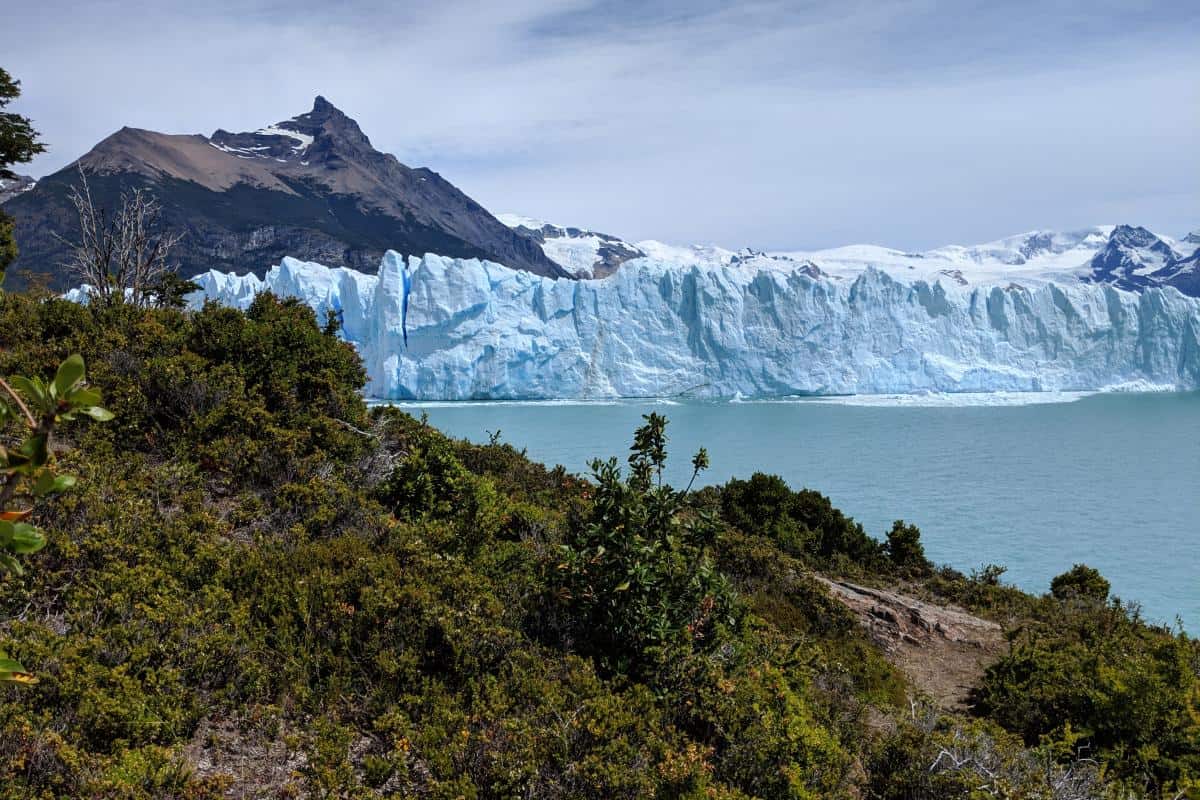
1111, 480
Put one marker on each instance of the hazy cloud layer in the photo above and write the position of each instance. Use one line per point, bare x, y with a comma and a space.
772, 124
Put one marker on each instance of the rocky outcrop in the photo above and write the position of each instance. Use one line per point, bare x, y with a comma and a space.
942, 650
895, 619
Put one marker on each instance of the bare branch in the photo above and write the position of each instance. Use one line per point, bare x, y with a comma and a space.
20, 403
123, 258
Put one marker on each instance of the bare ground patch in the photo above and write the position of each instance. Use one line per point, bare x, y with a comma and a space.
942, 650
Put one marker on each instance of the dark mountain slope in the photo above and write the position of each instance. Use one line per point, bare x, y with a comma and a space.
311, 187
1130, 259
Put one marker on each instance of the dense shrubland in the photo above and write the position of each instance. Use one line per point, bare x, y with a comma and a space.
260, 587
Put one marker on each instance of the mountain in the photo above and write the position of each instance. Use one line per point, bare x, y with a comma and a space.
581, 252
1125, 256
1183, 272
11, 187
1188, 245
438, 328
1131, 258
311, 187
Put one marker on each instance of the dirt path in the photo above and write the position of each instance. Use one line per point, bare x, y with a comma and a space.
943, 650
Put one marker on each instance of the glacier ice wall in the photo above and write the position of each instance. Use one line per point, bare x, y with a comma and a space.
480, 330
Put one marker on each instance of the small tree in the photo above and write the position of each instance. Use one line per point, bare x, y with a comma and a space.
904, 547
18, 144
122, 258
1080, 581
636, 572
27, 469
171, 291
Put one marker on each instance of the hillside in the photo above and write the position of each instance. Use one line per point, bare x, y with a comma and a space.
312, 186
262, 588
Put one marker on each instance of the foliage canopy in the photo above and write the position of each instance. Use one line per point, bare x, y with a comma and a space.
256, 569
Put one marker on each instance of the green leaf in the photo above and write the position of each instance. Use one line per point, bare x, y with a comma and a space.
32, 389
82, 398
49, 483
10, 563
34, 449
623, 587
70, 373
7, 531
41, 486
97, 413
26, 539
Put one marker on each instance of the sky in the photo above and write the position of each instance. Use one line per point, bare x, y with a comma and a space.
776, 125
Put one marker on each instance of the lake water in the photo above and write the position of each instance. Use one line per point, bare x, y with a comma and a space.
1112, 480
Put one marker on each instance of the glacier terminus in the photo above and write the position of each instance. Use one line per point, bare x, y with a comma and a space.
437, 328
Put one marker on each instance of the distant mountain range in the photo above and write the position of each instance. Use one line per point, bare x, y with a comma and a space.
1124, 256
313, 188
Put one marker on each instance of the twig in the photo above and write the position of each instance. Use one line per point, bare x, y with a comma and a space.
20, 403
359, 431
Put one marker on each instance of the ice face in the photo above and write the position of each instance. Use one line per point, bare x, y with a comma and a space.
654, 329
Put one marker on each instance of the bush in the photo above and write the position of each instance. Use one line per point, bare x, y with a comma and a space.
1097, 679
1082, 582
635, 575
904, 548
803, 524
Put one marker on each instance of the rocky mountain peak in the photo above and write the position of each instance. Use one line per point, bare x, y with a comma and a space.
311, 187
1131, 258
331, 130
1136, 237
1038, 242
324, 135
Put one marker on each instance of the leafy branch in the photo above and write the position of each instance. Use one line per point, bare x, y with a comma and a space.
28, 469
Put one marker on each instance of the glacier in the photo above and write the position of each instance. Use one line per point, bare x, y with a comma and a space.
437, 328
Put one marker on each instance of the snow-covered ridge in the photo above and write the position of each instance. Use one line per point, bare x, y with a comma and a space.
1125, 256
478, 330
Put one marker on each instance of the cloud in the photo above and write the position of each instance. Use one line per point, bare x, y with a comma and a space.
772, 124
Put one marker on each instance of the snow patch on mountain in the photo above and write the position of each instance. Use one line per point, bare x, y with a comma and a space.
478, 330
582, 253
303, 138
18, 184
1188, 246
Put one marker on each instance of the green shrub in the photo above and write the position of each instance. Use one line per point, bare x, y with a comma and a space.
1095, 677
636, 575
803, 524
904, 548
37, 407
1082, 582
255, 567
